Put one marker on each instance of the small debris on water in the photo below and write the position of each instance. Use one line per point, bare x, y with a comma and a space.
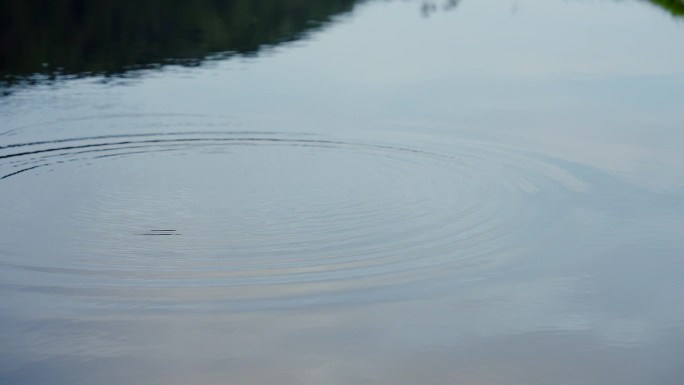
161, 232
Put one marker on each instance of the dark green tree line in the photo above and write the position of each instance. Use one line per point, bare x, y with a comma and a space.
675, 7
75, 37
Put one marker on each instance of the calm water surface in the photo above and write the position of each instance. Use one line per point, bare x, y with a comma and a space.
383, 192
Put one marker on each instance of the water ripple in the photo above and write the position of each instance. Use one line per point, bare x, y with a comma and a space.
264, 216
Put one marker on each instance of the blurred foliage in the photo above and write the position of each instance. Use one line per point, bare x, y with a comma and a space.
676, 7
82, 37
431, 6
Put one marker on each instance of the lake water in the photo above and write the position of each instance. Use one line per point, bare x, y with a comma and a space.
383, 192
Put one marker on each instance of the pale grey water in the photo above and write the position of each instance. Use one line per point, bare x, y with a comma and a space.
490, 194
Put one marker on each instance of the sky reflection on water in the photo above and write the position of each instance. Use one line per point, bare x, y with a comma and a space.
400, 195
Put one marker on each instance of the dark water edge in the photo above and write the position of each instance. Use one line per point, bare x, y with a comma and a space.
45, 41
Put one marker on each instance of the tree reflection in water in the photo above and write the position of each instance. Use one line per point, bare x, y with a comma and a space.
44, 40
49, 39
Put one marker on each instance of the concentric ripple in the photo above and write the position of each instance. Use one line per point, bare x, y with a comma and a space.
227, 217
